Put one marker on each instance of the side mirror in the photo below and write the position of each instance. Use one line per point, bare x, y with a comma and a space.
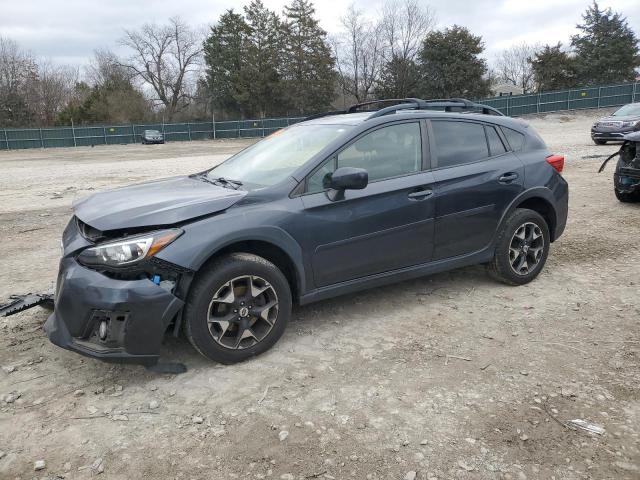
346, 178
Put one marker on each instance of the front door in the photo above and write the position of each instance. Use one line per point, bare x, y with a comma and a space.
386, 226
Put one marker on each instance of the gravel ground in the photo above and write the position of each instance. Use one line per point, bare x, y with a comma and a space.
450, 376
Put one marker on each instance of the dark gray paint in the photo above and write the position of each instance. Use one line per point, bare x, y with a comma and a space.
158, 203
371, 237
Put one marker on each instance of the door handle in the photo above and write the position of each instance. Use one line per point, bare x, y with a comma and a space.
420, 194
508, 177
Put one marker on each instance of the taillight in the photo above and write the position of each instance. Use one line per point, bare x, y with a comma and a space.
556, 161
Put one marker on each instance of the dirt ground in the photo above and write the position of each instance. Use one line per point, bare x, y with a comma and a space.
452, 376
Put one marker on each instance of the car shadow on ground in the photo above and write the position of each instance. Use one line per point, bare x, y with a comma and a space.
382, 300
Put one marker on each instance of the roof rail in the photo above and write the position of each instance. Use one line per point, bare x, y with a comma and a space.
354, 108
446, 104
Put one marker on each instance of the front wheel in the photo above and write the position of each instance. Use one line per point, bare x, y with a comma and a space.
238, 307
522, 248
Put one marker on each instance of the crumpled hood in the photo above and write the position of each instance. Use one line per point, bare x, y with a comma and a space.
157, 203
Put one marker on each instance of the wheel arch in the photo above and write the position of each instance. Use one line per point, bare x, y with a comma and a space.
539, 200
269, 251
270, 243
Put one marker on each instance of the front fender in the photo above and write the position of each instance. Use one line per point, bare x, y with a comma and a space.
205, 238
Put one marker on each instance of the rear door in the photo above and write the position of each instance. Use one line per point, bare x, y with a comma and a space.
476, 178
386, 226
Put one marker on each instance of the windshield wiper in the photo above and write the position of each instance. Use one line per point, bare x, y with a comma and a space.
224, 182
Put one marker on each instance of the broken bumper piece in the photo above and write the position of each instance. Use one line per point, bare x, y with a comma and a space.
19, 303
113, 320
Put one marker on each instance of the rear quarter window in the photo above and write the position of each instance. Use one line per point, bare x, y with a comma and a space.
515, 139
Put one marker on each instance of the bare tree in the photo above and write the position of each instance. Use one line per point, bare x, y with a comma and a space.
106, 66
16, 65
359, 54
53, 89
513, 65
166, 58
18, 71
405, 24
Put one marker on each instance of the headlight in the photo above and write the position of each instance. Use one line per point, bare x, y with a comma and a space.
129, 250
628, 124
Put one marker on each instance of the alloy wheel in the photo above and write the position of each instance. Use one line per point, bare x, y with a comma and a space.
526, 248
242, 312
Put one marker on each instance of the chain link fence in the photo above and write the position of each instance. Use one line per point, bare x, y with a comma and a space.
515, 105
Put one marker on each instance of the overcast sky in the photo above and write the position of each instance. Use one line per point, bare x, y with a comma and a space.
67, 31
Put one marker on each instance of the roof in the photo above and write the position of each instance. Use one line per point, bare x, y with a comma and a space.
340, 119
360, 117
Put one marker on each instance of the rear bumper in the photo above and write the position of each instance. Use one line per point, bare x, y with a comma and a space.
562, 212
136, 313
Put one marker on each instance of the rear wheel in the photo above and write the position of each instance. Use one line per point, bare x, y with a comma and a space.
522, 248
600, 142
238, 307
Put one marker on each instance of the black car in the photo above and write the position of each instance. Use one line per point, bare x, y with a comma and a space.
621, 122
152, 137
326, 207
626, 179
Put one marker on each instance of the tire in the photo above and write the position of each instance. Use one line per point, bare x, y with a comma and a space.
224, 293
600, 142
508, 243
626, 197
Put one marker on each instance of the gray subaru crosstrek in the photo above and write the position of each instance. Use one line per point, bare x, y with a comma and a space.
614, 127
332, 205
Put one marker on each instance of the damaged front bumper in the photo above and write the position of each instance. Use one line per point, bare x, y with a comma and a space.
109, 319
116, 317
627, 179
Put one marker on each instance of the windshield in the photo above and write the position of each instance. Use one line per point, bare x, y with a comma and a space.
277, 156
152, 132
628, 110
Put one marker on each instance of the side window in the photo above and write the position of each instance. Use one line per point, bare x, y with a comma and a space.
458, 143
515, 139
384, 153
496, 147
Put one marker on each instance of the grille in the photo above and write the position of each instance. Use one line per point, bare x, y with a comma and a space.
615, 124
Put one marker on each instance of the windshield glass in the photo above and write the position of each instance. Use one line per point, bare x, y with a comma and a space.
627, 110
152, 132
277, 156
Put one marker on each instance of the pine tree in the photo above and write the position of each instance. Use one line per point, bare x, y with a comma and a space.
225, 57
606, 48
308, 67
263, 60
553, 69
400, 78
451, 65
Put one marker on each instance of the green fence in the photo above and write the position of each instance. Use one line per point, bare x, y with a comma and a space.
17, 138
573, 99
515, 105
